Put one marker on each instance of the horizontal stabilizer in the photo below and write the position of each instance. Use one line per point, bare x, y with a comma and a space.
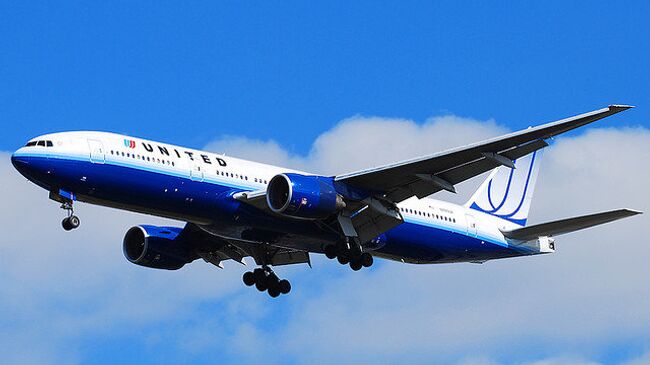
567, 225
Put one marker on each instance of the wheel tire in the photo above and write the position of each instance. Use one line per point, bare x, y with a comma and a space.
284, 286
261, 285
343, 260
355, 265
259, 275
366, 259
274, 292
65, 223
249, 278
330, 251
74, 221
273, 283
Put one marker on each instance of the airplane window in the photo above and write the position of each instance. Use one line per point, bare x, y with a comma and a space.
49, 144
148, 159
172, 163
41, 143
122, 154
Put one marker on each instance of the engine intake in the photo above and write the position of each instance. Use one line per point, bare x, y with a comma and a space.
156, 247
311, 197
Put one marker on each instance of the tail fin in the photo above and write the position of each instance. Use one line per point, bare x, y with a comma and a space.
507, 192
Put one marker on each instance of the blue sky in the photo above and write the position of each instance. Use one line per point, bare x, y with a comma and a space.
231, 68
327, 85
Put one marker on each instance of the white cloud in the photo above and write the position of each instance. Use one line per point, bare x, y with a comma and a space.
58, 287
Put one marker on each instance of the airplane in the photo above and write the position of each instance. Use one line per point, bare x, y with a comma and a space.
234, 209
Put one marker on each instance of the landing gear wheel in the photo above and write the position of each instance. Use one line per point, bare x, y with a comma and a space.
265, 279
285, 286
343, 260
74, 221
356, 265
249, 278
71, 221
260, 285
259, 275
330, 251
366, 259
274, 292
65, 223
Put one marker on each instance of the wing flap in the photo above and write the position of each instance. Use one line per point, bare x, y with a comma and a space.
563, 226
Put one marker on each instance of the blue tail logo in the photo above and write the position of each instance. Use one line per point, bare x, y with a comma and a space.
507, 193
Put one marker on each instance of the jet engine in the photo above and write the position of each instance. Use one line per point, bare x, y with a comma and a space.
300, 196
157, 247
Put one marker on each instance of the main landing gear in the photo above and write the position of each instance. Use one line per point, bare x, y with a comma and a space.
71, 221
265, 279
349, 252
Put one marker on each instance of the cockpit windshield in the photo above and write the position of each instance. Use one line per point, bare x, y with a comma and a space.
40, 143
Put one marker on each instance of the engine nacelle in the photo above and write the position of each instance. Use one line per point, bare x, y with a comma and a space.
156, 247
301, 196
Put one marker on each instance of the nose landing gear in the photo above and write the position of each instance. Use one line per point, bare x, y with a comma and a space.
265, 279
71, 221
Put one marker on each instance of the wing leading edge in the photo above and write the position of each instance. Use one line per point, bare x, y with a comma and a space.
441, 171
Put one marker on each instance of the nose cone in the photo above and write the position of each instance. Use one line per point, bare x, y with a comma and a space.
19, 162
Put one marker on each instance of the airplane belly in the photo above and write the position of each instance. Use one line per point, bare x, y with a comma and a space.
415, 243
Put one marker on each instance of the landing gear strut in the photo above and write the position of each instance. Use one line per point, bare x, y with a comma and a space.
349, 252
71, 221
265, 279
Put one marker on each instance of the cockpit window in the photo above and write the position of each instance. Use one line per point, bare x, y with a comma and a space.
40, 143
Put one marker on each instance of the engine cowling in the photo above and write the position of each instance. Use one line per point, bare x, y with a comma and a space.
310, 197
156, 247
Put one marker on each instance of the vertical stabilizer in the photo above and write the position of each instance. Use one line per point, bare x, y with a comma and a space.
507, 192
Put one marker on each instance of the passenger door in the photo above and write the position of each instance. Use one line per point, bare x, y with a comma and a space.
97, 154
471, 225
196, 173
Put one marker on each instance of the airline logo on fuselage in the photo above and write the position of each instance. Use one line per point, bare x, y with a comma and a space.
129, 143
164, 151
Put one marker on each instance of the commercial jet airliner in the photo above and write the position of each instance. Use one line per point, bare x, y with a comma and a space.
235, 209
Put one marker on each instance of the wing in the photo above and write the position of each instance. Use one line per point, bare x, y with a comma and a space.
563, 226
215, 249
441, 171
